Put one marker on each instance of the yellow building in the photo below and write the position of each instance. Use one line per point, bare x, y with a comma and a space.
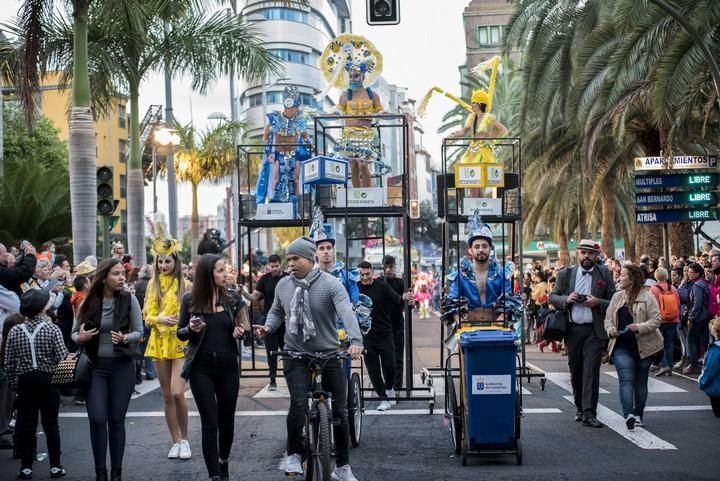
111, 138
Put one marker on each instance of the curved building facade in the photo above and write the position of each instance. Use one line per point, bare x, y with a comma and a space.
297, 35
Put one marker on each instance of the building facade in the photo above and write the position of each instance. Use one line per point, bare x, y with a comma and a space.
111, 138
485, 22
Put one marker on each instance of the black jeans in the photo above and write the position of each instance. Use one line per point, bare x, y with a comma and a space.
297, 376
36, 394
715, 403
380, 354
399, 342
698, 339
214, 382
274, 342
584, 356
111, 384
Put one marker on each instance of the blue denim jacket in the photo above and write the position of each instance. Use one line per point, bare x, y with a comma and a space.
709, 380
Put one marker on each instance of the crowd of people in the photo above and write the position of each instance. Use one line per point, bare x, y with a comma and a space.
184, 324
656, 316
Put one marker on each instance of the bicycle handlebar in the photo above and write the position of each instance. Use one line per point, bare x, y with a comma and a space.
311, 355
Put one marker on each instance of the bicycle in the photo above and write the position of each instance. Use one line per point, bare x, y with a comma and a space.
319, 440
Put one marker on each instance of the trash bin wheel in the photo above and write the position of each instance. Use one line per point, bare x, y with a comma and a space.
452, 410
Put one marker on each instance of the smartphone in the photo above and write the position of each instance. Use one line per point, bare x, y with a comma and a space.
195, 320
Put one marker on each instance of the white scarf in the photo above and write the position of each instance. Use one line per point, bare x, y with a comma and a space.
300, 305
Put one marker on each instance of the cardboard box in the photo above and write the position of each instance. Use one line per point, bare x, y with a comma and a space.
322, 170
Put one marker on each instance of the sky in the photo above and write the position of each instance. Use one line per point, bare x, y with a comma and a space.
424, 50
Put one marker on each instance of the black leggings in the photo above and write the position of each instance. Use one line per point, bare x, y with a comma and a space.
111, 384
215, 382
274, 342
380, 352
36, 394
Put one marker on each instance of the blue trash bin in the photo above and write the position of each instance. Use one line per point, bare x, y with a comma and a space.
490, 390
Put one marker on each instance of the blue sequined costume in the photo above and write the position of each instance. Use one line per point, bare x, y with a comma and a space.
497, 285
284, 190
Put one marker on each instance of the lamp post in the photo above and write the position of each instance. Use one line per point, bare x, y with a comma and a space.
163, 137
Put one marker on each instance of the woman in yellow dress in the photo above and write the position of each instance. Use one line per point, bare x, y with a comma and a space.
162, 309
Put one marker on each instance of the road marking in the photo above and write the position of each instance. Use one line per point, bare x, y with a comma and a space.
677, 408
281, 392
638, 436
562, 379
368, 412
145, 387
654, 385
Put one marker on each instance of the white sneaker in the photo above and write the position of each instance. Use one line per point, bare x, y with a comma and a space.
185, 452
174, 451
638, 421
384, 405
390, 393
343, 473
293, 465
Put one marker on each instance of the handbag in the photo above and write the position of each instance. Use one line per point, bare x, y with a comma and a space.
73, 371
556, 325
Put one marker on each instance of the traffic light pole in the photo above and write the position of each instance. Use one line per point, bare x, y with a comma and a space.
105, 229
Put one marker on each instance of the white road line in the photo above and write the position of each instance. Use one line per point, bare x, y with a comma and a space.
368, 412
146, 387
562, 379
677, 408
638, 436
654, 385
281, 392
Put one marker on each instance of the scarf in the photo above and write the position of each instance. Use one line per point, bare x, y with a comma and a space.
300, 305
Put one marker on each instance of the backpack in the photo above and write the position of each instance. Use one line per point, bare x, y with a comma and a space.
669, 307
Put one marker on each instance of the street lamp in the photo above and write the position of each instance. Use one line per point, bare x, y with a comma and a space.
163, 137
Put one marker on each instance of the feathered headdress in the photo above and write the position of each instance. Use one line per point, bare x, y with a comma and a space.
478, 230
345, 53
291, 97
161, 246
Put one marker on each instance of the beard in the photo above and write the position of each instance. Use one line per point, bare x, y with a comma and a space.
481, 258
587, 264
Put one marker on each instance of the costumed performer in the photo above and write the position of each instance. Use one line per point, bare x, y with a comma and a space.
351, 63
481, 279
164, 295
287, 143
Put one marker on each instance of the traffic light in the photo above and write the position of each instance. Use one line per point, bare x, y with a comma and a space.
414, 209
105, 203
383, 12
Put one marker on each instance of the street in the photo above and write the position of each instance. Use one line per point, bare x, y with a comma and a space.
678, 442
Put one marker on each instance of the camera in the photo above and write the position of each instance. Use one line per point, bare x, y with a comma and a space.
582, 298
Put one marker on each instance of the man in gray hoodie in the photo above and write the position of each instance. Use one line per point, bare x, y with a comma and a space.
309, 302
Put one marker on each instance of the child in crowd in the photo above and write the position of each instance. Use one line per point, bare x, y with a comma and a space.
710, 378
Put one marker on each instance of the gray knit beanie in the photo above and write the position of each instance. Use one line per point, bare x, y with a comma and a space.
303, 247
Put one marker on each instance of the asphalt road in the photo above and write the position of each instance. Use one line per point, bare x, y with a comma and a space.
679, 442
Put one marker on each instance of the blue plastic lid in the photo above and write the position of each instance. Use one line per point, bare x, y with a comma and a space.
487, 337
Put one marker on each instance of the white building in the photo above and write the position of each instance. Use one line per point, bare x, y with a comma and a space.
298, 35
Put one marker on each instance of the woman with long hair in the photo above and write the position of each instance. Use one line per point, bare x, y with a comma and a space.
109, 326
162, 310
632, 322
212, 320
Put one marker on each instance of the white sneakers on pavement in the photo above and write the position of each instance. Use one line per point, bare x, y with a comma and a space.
390, 393
638, 421
185, 452
343, 473
384, 405
174, 451
293, 465
630, 422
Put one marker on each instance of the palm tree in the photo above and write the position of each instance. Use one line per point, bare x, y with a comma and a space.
211, 158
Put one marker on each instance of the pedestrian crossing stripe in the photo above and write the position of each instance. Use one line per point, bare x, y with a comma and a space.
654, 385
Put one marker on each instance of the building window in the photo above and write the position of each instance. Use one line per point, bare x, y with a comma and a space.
296, 56
123, 221
122, 116
288, 14
490, 35
123, 186
277, 98
123, 146
428, 185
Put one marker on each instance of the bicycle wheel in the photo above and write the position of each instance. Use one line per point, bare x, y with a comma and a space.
320, 441
453, 412
355, 413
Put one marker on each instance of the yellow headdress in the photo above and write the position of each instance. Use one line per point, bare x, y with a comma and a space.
480, 97
346, 52
161, 245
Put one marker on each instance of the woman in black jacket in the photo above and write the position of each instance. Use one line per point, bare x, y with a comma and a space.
109, 326
211, 319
